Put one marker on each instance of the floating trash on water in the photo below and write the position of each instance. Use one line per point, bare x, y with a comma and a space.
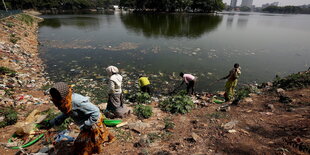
122, 46
197, 49
87, 57
212, 50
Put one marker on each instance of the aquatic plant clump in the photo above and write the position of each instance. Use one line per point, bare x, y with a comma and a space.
140, 98
143, 111
177, 104
299, 80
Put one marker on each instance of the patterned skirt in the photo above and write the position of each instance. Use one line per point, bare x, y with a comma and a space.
91, 141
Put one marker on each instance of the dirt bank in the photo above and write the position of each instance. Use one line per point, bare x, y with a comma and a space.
22, 73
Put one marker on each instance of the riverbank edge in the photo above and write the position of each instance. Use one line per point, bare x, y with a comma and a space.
19, 52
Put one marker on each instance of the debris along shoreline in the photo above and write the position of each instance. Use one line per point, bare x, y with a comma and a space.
22, 74
178, 124
22, 71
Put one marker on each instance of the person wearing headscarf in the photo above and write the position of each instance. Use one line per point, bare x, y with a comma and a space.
232, 81
85, 114
116, 106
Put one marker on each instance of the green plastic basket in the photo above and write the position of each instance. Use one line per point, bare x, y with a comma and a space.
218, 100
111, 122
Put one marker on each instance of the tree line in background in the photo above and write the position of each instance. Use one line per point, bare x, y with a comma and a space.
287, 9
59, 4
137, 5
174, 5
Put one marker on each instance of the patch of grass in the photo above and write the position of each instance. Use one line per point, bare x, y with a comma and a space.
158, 136
26, 19
5, 70
177, 104
10, 117
9, 92
217, 115
123, 135
242, 93
153, 136
51, 114
168, 123
144, 152
299, 80
143, 112
14, 39
64, 125
10, 24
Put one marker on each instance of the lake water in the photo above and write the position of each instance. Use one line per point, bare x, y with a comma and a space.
162, 45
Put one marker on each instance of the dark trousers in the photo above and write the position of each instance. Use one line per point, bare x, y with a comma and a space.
146, 89
190, 87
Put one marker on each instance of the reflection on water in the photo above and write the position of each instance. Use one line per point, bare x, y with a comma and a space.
242, 21
78, 22
171, 25
230, 20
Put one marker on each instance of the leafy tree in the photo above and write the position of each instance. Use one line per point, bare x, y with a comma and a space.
285, 9
139, 5
174, 5
245, 9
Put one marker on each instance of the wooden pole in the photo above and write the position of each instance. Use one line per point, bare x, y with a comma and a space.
6, 9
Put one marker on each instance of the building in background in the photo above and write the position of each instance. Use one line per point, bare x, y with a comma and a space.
247, 3
233, 3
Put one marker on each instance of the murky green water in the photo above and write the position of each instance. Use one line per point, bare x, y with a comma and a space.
162, 45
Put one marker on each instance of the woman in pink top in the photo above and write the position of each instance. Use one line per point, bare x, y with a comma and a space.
190, 81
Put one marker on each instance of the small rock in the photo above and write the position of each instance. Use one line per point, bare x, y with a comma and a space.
230, 125
2, 92
44, 150
280, 91
143, 142
224, 108
232, 131
221, 93
270, 106
2, 118
196, 137
248, 100
103, 106
139, 126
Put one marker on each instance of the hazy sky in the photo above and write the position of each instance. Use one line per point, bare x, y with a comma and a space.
259, 3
